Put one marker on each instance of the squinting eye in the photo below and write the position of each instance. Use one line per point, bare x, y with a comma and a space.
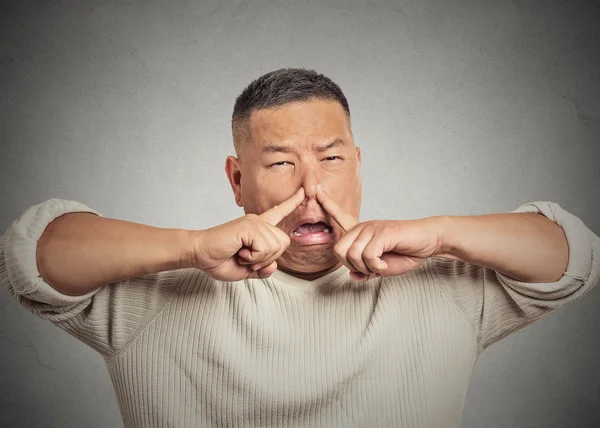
278, 164
332, 158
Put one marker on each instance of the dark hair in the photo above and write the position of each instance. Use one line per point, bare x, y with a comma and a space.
286, 85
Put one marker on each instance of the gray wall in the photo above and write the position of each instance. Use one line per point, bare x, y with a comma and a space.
460, 107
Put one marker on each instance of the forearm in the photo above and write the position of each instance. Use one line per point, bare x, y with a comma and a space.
525, 246
79, 252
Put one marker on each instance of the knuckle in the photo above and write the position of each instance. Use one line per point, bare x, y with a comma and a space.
274, 245
369, 254
274, 248
355, 252
388, 229
354, 255
260, 246
282, 238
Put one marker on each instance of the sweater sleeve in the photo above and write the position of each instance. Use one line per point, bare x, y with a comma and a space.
105, 318
498, 305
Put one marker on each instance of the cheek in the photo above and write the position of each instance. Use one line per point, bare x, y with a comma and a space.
345, 186
253, 197
275, 188
256, 192
346, 192
264, 197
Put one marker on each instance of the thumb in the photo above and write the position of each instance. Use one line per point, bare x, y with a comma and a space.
263, 272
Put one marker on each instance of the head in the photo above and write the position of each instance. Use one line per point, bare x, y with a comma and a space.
291, 129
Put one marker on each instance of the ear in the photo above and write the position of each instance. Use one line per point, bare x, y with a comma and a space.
234, 174
358, 154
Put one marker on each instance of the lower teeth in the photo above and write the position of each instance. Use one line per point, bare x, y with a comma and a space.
326, 230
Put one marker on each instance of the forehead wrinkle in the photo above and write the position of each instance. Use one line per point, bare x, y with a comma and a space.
269, 147
337, 142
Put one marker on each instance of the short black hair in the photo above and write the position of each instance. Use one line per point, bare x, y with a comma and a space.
279, 87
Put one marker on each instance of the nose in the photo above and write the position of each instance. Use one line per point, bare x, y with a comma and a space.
309, 182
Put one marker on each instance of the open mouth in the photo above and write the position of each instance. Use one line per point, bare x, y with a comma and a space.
313, 234
306, 228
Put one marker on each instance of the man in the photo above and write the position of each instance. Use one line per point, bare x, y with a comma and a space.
295, 314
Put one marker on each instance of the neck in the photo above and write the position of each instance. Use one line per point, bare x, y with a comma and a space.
309, 276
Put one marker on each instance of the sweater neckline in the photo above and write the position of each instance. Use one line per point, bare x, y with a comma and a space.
330, 279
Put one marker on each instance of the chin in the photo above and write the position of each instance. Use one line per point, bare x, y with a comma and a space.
308, 261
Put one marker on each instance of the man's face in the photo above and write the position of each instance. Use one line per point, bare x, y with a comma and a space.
299, 145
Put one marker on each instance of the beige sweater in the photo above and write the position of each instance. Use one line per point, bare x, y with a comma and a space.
184, 350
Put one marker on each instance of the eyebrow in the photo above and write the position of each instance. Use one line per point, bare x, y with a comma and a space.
274, 148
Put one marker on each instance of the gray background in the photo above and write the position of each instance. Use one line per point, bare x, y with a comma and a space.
460, 107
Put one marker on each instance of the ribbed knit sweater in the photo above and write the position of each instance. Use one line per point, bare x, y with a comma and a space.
185, 350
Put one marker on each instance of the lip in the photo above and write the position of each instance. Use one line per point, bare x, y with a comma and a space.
309, 219
315, 237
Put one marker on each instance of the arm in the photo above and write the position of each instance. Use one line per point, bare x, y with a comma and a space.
81, 251
111, 277
106, 317
66, 249
494, 299
487, 265
525, 246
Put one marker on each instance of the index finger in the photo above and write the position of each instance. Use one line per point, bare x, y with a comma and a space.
344, 219
274, 215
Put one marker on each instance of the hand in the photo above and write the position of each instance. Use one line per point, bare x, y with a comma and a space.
381, 247
246, 247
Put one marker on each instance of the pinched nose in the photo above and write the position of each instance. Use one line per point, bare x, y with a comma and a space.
310, 191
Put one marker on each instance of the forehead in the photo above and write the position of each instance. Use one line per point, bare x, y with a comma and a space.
305, 121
